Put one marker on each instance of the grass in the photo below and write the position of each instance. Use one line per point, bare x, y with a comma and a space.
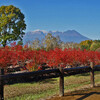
46, 88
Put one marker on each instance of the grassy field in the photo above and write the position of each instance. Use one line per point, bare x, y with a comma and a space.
46, 88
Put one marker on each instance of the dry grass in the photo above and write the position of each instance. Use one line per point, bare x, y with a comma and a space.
45, 88
85, 93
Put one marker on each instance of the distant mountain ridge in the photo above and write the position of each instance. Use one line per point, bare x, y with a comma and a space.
66, 36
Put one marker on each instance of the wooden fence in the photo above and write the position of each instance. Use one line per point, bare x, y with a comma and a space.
46, 74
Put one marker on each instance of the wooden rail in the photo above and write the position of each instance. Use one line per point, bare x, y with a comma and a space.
46, 74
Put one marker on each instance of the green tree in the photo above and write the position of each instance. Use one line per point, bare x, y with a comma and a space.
86, 44
95, 45
51, 42
20, 43
12, 24
36, 44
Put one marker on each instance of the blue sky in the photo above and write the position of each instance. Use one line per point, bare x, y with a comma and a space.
80, 15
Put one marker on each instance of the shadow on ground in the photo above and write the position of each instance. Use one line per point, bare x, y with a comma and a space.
87, 94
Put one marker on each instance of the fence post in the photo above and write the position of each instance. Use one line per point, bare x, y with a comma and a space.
92, 74
61, 82
1, 85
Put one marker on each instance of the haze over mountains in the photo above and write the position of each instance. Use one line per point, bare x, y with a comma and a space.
66, 36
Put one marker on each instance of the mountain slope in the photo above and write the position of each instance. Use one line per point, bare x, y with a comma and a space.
67, 36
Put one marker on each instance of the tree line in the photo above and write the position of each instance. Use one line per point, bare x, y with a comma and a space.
51, 42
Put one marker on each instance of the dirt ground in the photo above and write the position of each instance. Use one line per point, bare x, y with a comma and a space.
88, 94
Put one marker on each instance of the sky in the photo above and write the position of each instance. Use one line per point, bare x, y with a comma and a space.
60, 15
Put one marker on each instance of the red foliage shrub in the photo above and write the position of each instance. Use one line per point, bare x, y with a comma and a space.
53, 58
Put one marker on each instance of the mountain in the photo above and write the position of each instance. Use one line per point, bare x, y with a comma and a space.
66, 36
72, 36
